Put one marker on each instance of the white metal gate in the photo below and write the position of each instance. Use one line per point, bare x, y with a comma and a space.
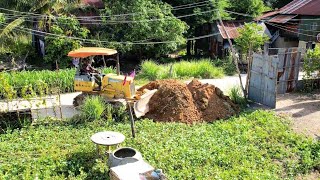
263, 80
274, 74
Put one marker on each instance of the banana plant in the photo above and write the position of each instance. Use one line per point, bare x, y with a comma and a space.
38, 12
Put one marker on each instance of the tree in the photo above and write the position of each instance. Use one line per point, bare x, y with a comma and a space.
2, 18
57, 48
250, 40
251, 7
141, 27
277, 3
47, 8
311, 65
211, 8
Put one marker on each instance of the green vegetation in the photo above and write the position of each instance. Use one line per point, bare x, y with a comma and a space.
93, 108
32, 83
58, 48
256, 145
184, 69
227, 64
252, 7
251, 38
236, 96
142, 29
311, 65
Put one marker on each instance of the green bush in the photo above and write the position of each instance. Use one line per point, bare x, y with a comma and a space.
236, 96
203, 68
150, 70
57, 48
311, 65
41, 82
184, 69
93, 108
227, 64
257, 145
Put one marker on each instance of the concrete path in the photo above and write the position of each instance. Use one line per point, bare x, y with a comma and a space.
226, 83
46, 106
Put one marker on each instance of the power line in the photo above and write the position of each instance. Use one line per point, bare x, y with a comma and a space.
288, 30
192, 4
92, 21
269, 20
242, 14
44, 34
299, 29
34, 15
303, 24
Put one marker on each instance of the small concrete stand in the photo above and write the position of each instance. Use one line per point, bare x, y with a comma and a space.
130, 171
108, 139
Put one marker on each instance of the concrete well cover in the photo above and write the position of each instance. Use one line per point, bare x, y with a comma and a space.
108, 138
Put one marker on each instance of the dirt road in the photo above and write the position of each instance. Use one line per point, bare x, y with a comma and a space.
304, 110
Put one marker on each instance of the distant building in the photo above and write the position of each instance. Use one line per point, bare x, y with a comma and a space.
217, 45
296, 24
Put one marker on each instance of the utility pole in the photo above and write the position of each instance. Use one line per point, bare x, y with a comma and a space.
233, 56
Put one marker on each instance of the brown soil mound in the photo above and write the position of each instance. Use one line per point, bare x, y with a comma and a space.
195, 102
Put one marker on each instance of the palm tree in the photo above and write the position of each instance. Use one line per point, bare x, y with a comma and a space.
41, 15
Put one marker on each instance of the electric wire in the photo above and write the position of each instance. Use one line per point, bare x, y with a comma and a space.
288, 30
44, 34
93, 21
34, 15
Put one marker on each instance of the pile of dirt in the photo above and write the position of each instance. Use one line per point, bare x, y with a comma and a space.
195, 102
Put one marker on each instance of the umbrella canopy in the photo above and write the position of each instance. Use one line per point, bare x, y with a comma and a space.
91, 51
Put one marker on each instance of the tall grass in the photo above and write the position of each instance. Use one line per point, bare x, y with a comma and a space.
48, 81
92, 108
198, 69
184, 69
236, 95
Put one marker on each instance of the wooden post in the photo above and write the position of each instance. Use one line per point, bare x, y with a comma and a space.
132, 120
249, 69
233, 56
104, 62
118, 65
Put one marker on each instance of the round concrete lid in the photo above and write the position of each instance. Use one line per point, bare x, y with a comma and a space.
107, 138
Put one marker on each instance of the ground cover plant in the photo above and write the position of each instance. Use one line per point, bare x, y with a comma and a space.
258, 145
17, 84
203, 68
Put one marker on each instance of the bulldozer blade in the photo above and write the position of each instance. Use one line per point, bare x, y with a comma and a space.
141, 106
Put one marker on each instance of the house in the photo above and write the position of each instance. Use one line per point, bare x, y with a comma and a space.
295, 24
217, 45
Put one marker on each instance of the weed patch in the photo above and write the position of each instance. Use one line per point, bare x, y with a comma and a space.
184, 69
256, 145
37, 83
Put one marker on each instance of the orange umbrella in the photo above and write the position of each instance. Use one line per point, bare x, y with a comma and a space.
91, 51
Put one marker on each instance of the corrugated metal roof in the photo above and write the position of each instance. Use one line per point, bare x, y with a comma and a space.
282, 18
232, 29
267, 14
309, 7
296, 7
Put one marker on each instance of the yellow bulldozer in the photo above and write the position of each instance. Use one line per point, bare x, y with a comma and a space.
116, 88
112, 86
